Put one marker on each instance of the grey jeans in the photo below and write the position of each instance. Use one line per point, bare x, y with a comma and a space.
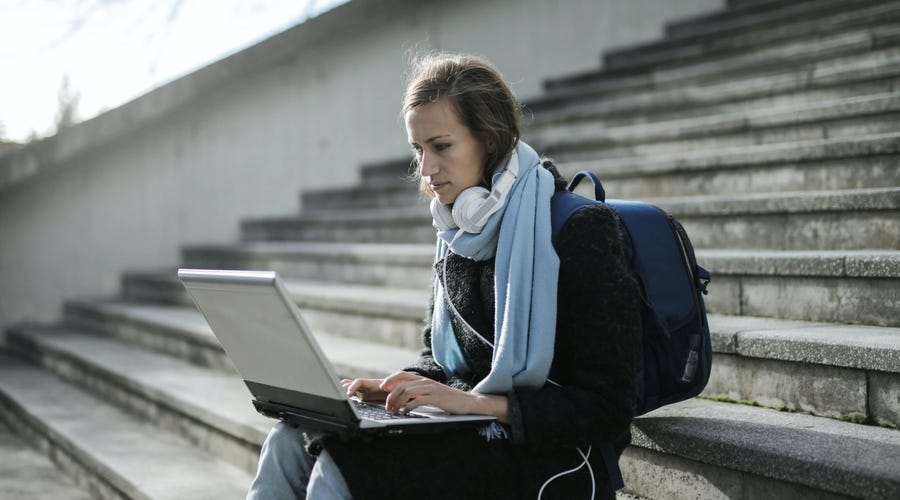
287, 471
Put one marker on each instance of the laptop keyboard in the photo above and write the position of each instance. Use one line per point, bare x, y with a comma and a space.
377, 412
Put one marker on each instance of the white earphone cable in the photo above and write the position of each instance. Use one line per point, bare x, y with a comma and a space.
584, 457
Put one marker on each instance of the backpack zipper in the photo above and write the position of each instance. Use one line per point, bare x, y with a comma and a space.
695, 342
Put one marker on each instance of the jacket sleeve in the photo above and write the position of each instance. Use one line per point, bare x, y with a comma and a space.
598, 326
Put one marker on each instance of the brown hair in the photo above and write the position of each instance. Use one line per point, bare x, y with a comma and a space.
477, 94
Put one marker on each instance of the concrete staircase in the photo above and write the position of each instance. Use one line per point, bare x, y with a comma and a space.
770, 129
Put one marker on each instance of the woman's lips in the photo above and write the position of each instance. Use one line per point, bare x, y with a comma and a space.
437, 186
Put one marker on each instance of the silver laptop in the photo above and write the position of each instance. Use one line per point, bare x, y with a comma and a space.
274, 351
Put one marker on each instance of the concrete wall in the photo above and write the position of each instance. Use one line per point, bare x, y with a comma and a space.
243, 136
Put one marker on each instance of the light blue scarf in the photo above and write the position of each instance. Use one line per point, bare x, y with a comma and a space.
526, 271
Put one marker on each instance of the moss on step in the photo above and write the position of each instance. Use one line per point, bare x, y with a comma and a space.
856, 418
726, 399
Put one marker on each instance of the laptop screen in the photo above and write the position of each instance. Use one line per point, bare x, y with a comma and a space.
261, 330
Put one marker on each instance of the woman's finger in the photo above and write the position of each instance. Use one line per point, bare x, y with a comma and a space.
392, 380
403, 393
362, 386
398, 396
412, 404
353, 387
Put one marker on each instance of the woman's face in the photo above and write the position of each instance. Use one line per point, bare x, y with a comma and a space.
450, 158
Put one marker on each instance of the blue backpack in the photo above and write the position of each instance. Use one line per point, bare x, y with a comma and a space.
675, 354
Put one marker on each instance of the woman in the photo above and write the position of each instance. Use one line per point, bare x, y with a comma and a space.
541, 336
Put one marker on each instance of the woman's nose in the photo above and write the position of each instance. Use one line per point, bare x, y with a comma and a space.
427, 166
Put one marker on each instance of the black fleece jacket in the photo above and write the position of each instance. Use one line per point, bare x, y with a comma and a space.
598, 324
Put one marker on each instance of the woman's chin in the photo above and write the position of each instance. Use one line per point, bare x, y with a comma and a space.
445, 199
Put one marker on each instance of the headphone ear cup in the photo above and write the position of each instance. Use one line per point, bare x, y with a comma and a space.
466, 205
442, 216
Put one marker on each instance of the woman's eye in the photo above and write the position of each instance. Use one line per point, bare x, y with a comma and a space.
441, 147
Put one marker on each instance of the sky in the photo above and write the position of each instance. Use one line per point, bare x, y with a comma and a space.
111, 51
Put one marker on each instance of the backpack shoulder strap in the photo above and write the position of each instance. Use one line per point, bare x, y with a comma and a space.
564, 203
562, 206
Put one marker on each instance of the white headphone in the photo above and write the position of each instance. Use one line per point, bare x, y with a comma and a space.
474, 206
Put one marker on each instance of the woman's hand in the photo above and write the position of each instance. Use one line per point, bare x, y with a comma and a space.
370, 389
405, 395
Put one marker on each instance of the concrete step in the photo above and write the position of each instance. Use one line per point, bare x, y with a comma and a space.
809, 220
25, 474
210, 409
754, 16
833, 370
387, 173
410, 224
814, 220
182, 332
743, 3
398, 194
176, 330
393, 265
843, 163
845, 286
823, 51
850, 173
163, 287
758, 59
392, 316
842, 286
849, 117
665, 121
97, 443
388, 315
827, 16
869, 72
703, 449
